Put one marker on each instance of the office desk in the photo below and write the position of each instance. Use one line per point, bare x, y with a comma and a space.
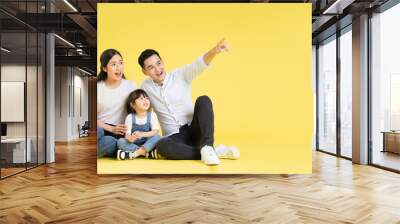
16, 148
391, 141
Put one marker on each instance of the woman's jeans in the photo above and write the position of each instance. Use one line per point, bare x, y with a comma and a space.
106, 145
148, 143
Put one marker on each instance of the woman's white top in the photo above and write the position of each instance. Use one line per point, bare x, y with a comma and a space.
111, 102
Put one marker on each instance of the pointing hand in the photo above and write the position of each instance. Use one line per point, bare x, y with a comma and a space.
221, 46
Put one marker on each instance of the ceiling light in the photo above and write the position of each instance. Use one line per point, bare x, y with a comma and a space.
338, 6
84, 71
70, 5
64, 40
5, 50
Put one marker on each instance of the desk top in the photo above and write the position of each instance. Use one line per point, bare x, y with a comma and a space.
13, 140
390, 132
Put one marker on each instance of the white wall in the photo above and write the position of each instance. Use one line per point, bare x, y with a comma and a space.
12, 73
79, 112
71, 94
61, 103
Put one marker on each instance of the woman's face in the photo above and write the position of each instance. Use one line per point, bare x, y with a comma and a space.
115, 68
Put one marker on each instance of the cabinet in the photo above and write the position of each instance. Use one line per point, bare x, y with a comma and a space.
391, 142
13, 150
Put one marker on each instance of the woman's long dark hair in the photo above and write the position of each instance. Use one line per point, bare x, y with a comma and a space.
104, 59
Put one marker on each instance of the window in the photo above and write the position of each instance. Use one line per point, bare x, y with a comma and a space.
385, 88
346, 93
327, 96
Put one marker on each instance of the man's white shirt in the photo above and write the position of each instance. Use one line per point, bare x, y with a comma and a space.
172, 101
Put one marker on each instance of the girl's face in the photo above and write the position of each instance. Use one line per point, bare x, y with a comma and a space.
115, 68
141, 104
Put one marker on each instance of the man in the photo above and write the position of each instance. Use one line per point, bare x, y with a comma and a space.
189, 131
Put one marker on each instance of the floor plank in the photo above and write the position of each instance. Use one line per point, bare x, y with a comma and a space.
70, 191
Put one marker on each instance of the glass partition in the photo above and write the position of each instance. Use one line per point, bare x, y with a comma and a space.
22, 88
13, 103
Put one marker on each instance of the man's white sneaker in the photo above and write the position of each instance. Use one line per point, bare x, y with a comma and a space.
227, 152
208, 155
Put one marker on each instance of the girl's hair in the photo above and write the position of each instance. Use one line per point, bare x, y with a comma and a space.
104, 59
133, 96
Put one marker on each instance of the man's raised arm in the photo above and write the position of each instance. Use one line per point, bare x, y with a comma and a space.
220, 47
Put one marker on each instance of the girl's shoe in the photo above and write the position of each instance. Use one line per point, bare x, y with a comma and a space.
121, 155
133, 155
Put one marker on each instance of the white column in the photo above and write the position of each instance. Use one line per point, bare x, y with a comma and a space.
360, 90
50, 93
314, 62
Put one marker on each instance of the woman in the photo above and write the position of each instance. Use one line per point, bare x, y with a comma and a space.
112, 92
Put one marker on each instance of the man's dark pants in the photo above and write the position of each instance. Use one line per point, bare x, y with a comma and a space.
186, 144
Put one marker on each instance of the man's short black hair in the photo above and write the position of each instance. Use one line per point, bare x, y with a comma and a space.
146, 54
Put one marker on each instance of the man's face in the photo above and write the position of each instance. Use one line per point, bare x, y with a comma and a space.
154, 67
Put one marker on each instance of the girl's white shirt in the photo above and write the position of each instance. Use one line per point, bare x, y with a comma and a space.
154, 125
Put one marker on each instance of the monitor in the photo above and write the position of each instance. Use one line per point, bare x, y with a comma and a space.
3, 130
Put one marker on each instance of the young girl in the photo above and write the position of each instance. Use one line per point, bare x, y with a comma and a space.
142, 127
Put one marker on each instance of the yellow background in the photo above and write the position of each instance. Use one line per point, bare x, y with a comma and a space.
261, 89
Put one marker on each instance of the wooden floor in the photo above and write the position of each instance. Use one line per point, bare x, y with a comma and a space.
387, 159
10, 171
70, 191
